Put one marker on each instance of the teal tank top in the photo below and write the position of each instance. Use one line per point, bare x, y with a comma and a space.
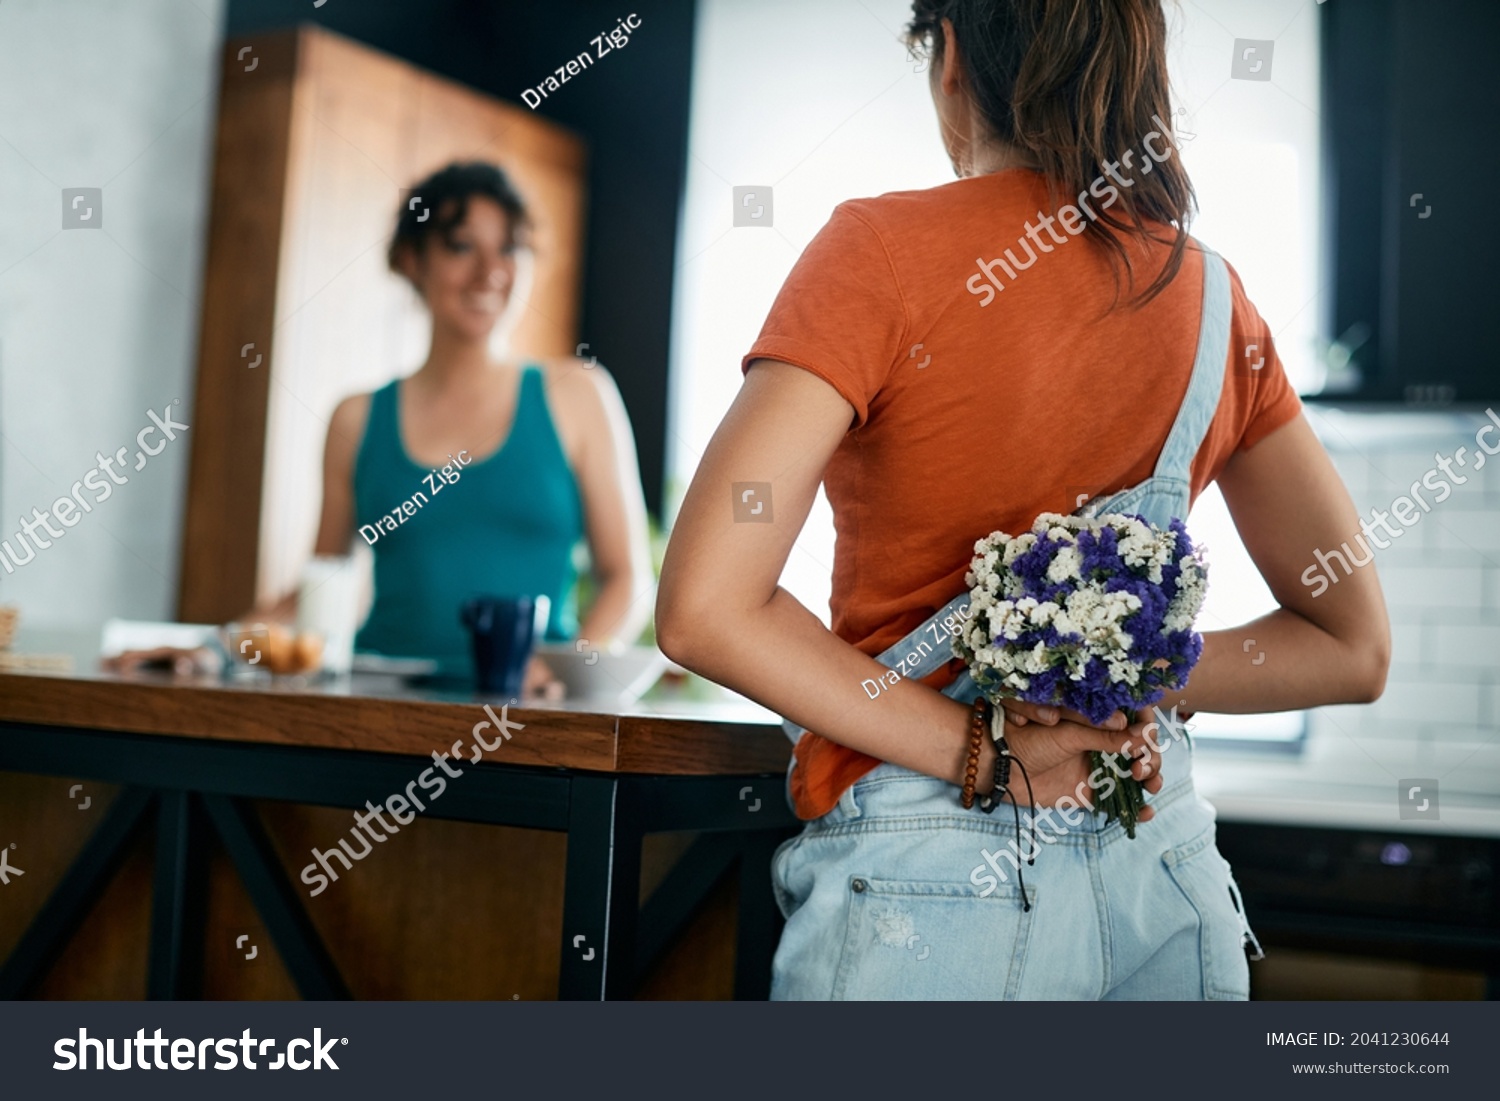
506, 527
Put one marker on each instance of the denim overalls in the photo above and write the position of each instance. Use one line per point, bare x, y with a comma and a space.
900, 893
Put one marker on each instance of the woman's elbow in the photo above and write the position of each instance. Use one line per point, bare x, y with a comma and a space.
693, 613
1372, 664
678, 629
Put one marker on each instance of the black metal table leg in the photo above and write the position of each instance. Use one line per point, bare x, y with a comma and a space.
70, 902
758, 926
680, 896
602, 890
178, 898
302, 950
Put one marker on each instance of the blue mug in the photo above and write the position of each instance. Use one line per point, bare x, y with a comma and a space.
503, 629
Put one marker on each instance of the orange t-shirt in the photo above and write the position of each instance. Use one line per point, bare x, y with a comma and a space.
976, 412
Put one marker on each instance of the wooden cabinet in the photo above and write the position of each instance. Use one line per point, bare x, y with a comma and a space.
318, 137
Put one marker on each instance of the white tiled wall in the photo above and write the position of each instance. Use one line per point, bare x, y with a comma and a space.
1440, 715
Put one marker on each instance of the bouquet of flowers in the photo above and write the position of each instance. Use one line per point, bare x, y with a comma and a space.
1091, 613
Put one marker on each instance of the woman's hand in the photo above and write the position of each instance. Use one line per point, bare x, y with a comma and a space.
177, 660
1056, 756
602, 453
539, 682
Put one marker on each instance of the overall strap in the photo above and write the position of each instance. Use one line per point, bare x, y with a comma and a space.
1202, 398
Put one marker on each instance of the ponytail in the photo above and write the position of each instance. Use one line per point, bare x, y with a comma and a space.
1077, 85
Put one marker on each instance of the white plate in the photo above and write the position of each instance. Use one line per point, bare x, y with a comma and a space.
393, 667
120, 635
604, 676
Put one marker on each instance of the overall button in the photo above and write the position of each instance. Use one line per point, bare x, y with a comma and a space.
858, 886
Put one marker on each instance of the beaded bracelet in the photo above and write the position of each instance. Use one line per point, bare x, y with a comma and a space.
979, 725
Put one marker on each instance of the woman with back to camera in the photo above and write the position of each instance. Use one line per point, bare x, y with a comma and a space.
1074, 365
543, 451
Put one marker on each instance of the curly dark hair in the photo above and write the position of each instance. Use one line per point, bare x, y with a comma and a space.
446, 194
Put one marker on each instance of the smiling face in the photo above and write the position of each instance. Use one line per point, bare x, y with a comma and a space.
466, 276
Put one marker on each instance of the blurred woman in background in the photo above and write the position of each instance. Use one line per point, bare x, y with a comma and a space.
516, 460
543, 449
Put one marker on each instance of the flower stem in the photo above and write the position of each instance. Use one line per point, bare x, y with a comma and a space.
1127, 799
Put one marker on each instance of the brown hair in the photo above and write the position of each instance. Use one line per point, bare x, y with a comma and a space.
445, 194
1074, 83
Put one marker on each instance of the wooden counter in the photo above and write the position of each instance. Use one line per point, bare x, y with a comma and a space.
380, 714
521, 881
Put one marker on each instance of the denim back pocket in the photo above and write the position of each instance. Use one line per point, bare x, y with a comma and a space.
1203, 876
932, 941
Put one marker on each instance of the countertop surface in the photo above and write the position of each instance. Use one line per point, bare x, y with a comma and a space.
1295, 791
687, 729
690, 728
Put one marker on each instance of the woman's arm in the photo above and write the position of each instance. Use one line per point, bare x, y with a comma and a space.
721, 613
345, 429
336, 521
614, 508
1288, 503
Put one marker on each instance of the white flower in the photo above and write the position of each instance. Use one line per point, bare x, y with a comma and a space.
1017, 547
1098, 616
1192, 587
1007, 620
1026, 661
